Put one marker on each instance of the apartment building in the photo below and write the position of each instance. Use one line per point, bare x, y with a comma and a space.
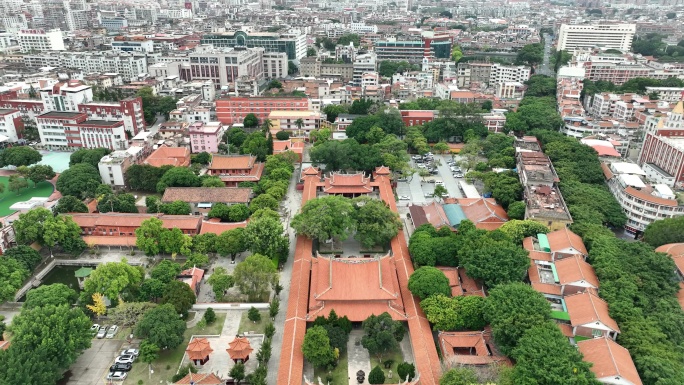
642, 202
129, 111
233, 110
114, 23
363, 64
287, 121
667, 94
11, 124
65, 96
129, 65
275, 65
293, 44
620, 73
73, 130
224, 66
40, 40
413, 51
133, 45
205, 137
662, 153
610, 36
113, 167
490, 74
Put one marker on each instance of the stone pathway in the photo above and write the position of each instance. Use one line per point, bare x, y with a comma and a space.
358, 357
292, 204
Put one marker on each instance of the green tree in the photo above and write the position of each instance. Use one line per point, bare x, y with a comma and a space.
458, 313
406, 371
80, 180
251, 120
220, 210
664, 231
178, 177
264, 201
166, 271
176, 208
39, 173
541, 85
70, 204
180, 295
254, 276
238, 212
440, 192
543, 355
516, 210
376, 376
220, 281
201, 158
235, 136
12, 274
196, 260
28, 228
120, 203
212, 181
427, 281
326, 218
19, 156
56, 294
204, 243
149, 352
459, 376
148, 236
381, 334
151, 289
237, 372
273, 307
112, 278
46, 340
254, 315
175, 242
316, 347
518, 230
282, 135
16, 183
25, 255
91, 156
128, 313
456, 54
231, 242
511, 310
210, 316
255, 144
376, 223
264, 235
161, 326
144, 177
311, 51
494, 261
63, 231
531, 54
332, 111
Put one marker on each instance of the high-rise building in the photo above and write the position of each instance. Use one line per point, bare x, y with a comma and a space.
413, 51
293, 44
224, 66
611, 36
40, 40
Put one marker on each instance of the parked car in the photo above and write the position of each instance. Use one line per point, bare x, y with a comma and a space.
422, 166
112, 331
428, 195
130, 352
120, 367
102, 332
402, 180
439, 182
117, 376
431, 181
404, 197
416, 157
126, 358
458, 175
95, 328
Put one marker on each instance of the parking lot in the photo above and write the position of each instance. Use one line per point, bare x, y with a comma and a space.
92, 366
418, 191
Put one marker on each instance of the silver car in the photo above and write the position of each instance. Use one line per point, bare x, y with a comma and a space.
102, 332
125, 359
117, 376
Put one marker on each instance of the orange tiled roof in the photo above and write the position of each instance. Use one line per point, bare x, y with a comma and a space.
338, 183
232, 162
169, 156
200, 379
474, 346
199, 349
650, 198
587, 308
106, 240
575, 269
609, 360
461, 283
563, 239
227, 195
195, 275
376, 288
484, 212
432, 213
217, 227
239, 348
183, 222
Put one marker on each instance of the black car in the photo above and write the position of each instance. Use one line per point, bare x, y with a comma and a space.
120, 367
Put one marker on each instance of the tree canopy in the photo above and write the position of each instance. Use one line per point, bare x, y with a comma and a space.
254, 276
19, 156
664, 231
316, 347
112, 278
427, 281
80, 180
381, 334
325, 218
457, 313
264, 235
90, 156
162, 327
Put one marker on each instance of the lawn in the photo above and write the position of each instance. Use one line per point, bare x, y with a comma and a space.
167, 363
8, 198
394, 355
248, 326
340, 375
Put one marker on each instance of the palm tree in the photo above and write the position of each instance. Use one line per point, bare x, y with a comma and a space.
266, 126
299, 123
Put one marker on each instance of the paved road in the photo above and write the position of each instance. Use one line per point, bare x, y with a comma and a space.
450, 182
545, 68
291, 206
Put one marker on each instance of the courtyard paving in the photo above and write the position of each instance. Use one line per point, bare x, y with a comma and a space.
358, 357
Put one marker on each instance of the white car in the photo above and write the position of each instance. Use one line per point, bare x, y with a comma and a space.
95, 328
125, 359
117, 376
130, 352
439, 182
102, 332
404, 197
112, 331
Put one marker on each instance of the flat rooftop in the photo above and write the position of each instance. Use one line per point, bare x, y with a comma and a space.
5, 111
60, 115
105, 123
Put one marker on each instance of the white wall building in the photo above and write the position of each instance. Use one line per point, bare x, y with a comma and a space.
65, 97
144, 46
130, 66
113, 167
275, 65
9, 122
40, 40
615, 36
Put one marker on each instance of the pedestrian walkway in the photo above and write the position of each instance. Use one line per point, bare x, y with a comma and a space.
358, 357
